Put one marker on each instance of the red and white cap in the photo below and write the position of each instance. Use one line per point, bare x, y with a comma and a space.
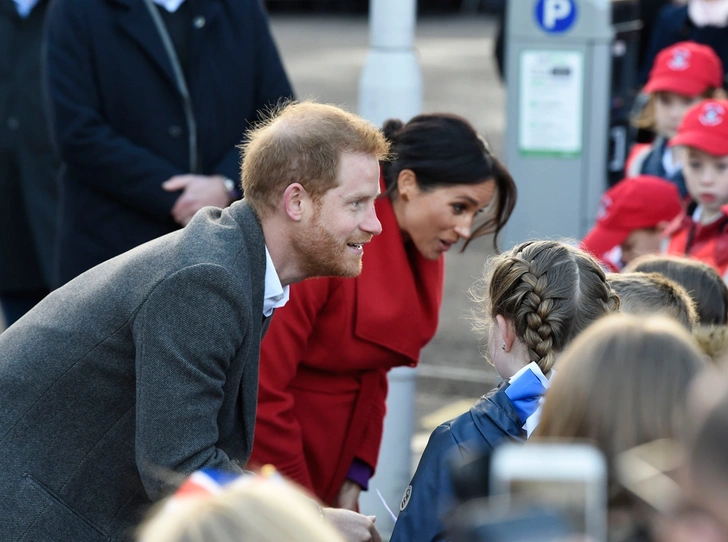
705, 127
686, 68
634, 203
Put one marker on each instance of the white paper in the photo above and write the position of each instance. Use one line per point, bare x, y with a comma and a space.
551, 102
394, 518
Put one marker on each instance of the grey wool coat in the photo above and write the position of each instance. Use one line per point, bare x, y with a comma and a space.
143, 369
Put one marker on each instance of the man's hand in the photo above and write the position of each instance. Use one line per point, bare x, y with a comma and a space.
198, 191
353, 527
348, 496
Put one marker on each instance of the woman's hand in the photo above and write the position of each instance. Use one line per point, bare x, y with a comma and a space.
348, 496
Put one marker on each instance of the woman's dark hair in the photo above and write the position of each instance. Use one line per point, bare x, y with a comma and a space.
444, 150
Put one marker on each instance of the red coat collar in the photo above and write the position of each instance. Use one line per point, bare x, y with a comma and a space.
399, 292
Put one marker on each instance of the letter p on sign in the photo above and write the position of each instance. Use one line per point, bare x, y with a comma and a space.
555, 16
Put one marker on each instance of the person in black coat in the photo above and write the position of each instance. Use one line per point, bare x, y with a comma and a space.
675, 24
28, 165
540, 295
148, 101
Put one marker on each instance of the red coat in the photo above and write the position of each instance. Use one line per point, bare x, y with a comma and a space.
707, 243
324, 360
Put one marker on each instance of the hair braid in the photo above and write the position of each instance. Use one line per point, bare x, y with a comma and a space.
550, 291
535, 311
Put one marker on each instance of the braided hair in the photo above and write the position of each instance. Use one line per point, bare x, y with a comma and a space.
550, 291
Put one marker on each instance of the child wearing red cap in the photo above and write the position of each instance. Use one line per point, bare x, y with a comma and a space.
703, 139
632, 217
682, 75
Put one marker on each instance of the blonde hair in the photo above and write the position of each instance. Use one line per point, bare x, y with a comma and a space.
702, 282
645, 119
647, 294
303, 143
712, 340
252, 511
550, 290
621, 383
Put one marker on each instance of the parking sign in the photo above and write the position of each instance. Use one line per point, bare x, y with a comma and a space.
556, 16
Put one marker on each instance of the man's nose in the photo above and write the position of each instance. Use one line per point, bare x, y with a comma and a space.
371, 223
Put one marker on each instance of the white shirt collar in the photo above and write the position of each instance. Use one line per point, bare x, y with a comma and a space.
698, 215
669, 163
275, 295
169, 5
24, 7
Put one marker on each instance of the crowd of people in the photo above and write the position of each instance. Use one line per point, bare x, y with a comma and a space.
145, 377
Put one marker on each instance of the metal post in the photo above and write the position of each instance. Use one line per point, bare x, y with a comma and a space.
391, 87
391, 81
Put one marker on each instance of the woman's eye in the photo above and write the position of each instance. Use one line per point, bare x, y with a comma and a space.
458, 208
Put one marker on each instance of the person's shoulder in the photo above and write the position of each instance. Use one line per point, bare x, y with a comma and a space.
495, 417
636, 159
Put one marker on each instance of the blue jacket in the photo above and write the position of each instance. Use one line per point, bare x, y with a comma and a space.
674, 25
119, 120
492, 420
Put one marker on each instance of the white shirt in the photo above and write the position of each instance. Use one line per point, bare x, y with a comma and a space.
275, 295
169, 5
24, 7
669, 163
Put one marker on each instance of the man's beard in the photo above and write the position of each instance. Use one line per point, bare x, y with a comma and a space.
320, 254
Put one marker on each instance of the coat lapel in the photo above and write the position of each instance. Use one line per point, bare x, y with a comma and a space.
134, 20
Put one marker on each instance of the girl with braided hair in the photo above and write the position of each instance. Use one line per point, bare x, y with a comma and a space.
532, 301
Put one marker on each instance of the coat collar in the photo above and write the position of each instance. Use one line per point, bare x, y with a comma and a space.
398, 292
135, 21
494, 408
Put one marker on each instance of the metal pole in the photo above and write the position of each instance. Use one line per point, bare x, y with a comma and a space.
391, 81
391, 87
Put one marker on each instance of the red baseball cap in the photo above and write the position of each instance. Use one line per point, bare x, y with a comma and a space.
632, 204
686, 68
705, 127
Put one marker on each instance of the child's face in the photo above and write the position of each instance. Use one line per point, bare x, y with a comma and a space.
670, 108
706, 178
641, 242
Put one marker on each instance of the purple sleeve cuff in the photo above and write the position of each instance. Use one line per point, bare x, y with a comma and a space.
360, 472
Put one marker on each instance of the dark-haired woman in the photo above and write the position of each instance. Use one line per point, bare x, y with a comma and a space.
324, 360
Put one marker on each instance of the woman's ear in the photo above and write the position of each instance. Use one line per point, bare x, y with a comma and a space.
407, 184
507, 330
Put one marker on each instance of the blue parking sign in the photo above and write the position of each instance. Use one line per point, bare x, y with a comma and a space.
556, 16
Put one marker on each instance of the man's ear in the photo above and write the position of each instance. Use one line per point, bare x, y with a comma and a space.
407, 184
507, 330
295, 198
